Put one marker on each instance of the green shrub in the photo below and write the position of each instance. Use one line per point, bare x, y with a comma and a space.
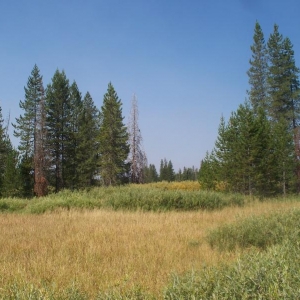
258, 231
12, 205
273, 274
130, 197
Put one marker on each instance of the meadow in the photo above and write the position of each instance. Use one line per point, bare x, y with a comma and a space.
149, 242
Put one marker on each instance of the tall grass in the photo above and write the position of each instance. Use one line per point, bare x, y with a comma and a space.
272, 274
102, 254
257, 231
131, 197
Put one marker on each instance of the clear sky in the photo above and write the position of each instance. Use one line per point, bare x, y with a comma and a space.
186, 61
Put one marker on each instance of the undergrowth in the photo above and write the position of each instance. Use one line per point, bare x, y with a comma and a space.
256, 231
131, 197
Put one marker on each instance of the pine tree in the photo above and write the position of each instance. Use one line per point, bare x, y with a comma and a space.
57, 122
150, 174
25, 127
283, 80
243, 154
40, 156
284, 156
208, 172
258, 71
11, 184
113, 141
170, 172
71, 170
88, 134
137, 156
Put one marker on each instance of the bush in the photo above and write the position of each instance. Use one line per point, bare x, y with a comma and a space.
12, 205
259, 231
274, 274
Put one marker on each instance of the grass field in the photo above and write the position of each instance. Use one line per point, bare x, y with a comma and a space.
76, 253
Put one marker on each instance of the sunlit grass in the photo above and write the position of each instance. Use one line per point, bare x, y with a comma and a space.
102, 249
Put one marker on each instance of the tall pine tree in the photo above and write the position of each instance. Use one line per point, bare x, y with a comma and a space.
258, 71
26, 127
113, 141
88, 145
58, 129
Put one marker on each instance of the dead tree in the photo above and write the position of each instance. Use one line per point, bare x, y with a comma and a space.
137, 156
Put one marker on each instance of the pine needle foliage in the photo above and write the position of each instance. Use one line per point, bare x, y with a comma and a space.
113, 141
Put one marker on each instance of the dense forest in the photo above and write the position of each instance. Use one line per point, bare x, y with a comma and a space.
257, 149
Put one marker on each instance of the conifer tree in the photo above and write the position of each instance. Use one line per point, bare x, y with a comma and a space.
137, 156
88, 135
258, 71
283, 80
208, 172
113, 141
150, 174
11, 183
71, 170
40, 156
57, 121
25, 127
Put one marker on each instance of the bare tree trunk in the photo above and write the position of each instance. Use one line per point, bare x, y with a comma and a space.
137, 156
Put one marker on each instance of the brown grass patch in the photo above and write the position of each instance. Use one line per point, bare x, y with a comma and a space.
102, 249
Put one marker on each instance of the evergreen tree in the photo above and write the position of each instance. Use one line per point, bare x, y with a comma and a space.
150, 174
40, 156
71, 170
11, 184
170, 172
258, 71
284, 156
58, 131
283, 80
113, 141
243, 154
87, 152
163, 170
25, 127
208, 172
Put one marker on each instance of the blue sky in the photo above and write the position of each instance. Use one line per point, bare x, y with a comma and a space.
186, 61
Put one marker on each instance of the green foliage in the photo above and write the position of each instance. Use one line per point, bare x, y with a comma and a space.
130, 197
258, 71
150, 174
25, 127
72, 143
20, 290
283, 80
166, 171
113, 141
57, 121
244, 156
87, 152
273, 274
11, 185
158, 200
12, 205
260, 232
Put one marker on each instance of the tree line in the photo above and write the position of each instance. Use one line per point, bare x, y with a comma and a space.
66, 142
257, 149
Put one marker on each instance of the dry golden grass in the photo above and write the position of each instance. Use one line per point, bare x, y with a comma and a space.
102, 249
186, 185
